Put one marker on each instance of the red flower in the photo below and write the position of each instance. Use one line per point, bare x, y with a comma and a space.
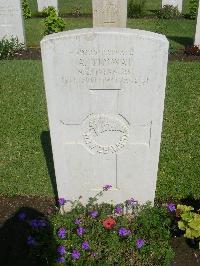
109, 223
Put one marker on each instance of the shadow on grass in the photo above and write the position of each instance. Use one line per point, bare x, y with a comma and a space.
22, 245
185, 41
46, 145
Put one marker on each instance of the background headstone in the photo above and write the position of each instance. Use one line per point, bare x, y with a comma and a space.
176, 3
197, 34
45, 3
11, 20
105, 92
109, 13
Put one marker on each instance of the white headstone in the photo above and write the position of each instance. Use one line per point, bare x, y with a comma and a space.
109, 13
11, 20
197, 34
45, 3
176, 3
105, 92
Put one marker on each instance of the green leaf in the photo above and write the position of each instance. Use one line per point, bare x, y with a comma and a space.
181, 225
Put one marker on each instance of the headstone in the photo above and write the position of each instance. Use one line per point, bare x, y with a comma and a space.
197, 35
11, 20
109, 13
105, 92
45, 3
176, 3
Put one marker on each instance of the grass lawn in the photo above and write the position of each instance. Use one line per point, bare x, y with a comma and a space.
25, 131
85, 6
179, 32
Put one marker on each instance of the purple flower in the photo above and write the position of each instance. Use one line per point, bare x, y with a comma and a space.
22, 216
62, 232
60, 260
61, 201
118, 209
85, 245
61, 250
131, 201
77, 221
124, 232
107, 187
93, 254
80, 231
171, 207
94, 214
37, 223
139, 243
75, 254
31, 241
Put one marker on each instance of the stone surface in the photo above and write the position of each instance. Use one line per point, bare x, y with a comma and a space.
109, 13
11, 20
45, 3
177, 3
105, 92
197, 34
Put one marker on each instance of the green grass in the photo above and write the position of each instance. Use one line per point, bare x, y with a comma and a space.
85, 6
24, 120
179, 32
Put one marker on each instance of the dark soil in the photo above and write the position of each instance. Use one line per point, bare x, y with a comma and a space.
13, 233
35, 54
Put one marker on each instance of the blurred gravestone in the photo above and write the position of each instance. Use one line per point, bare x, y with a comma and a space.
109, 13
46, 3
175, 3
105, 92
197, 34
11, 20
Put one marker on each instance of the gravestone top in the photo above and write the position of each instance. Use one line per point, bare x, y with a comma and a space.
175, 3
105, 92
109, 13
11, 20
46, 3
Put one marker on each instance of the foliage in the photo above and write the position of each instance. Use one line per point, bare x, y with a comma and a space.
48, 11
26, 9
168, 12
8, 47
193, 8
136, 8
53, 23
189, 222
103, 234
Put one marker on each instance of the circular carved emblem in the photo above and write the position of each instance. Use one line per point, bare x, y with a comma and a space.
105, 134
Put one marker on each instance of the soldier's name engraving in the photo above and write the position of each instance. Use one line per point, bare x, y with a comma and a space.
102, 66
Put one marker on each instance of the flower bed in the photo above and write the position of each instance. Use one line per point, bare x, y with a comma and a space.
103, 234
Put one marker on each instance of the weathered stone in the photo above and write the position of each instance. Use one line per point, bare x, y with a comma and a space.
109, 13
105, 93
176, 3
11, 20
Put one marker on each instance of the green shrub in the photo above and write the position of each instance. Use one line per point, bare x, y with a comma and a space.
8, 47
136, 8
193, 7
189, 222
26, 9
104, 234
53, 23
50, 10
168, 12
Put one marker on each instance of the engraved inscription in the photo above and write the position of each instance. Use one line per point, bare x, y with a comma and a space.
105, 134
102, 66
110, 12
